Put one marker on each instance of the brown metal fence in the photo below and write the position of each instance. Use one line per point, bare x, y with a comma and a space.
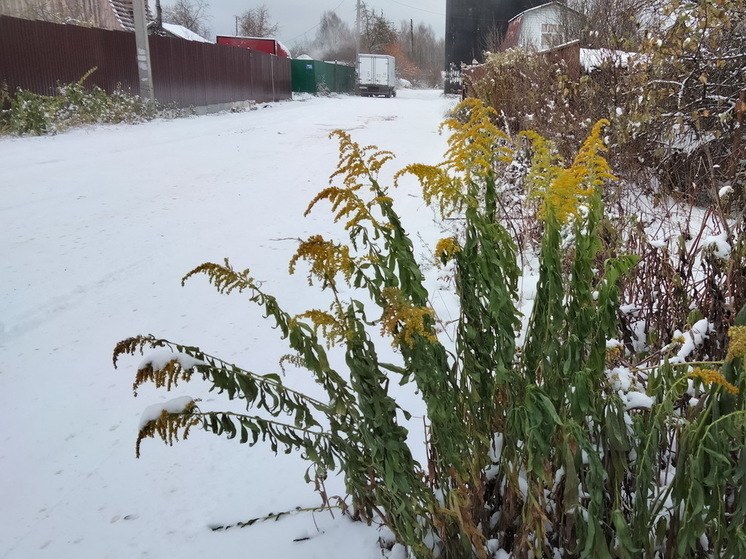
37, 56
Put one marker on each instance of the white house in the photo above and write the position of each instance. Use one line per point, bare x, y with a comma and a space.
543, 27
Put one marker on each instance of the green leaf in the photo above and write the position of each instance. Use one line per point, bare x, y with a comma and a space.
627, 549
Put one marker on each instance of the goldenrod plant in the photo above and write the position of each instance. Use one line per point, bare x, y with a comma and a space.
543, 444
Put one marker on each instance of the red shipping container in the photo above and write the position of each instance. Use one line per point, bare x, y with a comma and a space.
270, 46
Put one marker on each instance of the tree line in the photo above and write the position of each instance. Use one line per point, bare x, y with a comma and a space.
419, 53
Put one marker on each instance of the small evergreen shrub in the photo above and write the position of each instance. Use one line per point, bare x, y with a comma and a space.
543, 446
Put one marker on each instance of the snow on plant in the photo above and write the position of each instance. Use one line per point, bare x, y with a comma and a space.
542, 450
74, 105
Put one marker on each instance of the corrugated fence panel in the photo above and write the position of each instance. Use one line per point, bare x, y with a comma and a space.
36, 56
261, 65
212, 69
176, 73
283, 78
117, 68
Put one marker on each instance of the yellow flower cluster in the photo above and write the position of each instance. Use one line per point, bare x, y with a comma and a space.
437, 186
476, 149
446, 249
561, 190
345, 204
709, 376
168, 375
737, 344
476, 145
293, 359
357, 166
402, 320
167, 426
589, 166
327, 259
564, 195
332, 327
355, 162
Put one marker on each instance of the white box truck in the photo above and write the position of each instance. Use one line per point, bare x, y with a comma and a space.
376, 75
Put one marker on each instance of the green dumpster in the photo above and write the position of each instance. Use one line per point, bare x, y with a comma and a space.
315, 76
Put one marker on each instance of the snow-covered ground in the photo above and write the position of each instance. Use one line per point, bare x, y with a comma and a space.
98, 227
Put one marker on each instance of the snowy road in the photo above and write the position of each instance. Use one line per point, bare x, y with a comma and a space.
98, 227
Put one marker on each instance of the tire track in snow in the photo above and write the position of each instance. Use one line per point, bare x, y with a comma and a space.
54, 307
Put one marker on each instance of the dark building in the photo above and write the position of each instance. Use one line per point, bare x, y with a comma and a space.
471, 25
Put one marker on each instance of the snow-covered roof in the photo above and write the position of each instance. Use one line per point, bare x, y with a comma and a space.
183, 33
287, 50
280, 45
590, 59
544, 7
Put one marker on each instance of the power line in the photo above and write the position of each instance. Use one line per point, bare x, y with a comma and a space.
418, 9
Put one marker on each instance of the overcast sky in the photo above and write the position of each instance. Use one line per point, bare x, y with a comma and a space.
300, 17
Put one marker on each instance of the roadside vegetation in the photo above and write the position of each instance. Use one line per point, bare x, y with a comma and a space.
605, 417
74, 105
675, 107
547, 433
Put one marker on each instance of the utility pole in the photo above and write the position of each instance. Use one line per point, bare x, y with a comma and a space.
357, 29
158, 17
144, 69
411, 39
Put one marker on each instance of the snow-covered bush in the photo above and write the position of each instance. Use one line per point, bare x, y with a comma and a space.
74, 105
545, 447
676, 104
676, 112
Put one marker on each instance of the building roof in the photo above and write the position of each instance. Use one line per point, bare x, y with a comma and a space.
182, 32
545, 6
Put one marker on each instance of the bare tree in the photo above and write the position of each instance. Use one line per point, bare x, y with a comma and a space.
614, 23
419, 55
256, 22
493, 39
192, 14
334, 39
376, 32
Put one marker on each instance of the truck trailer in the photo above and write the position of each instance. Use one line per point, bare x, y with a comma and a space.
376, 75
